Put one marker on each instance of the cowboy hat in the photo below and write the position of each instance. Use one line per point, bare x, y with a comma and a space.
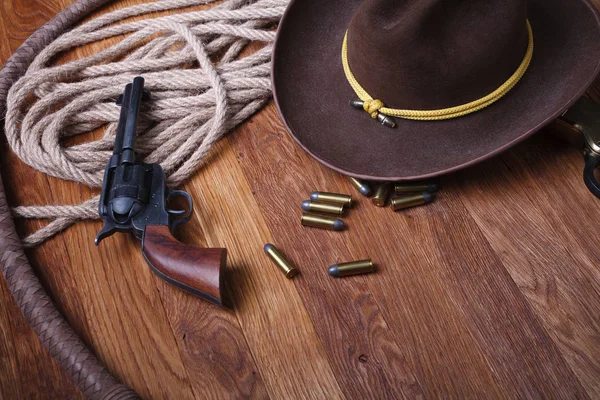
430, 56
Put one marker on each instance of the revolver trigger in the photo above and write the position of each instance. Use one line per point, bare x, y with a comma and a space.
106, 231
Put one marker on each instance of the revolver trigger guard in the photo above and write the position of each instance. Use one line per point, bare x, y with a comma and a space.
592, 160
181, 216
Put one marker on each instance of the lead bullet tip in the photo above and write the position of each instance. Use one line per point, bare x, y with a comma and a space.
306, 205
428, 197
338, 225
334, 270
365, 190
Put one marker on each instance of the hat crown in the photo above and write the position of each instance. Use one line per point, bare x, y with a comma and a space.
432, 54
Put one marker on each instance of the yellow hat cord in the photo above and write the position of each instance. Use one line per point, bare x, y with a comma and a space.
377, 109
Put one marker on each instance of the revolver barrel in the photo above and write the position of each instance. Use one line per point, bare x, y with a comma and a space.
124, 102
132, 111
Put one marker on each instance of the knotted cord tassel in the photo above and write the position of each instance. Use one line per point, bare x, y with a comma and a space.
373, 110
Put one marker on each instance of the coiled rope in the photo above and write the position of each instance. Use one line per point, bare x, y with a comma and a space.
200, 90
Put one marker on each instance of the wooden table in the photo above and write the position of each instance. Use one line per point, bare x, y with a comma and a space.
493, 291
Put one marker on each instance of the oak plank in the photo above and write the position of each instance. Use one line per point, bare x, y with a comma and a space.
110, 295
213, 348
554, 258
354, 330
490, 292
27, 369
211, 341
498, 315
276, 325
275, 164
512, 384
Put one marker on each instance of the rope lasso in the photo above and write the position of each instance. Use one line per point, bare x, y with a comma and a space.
200, 90
375, 107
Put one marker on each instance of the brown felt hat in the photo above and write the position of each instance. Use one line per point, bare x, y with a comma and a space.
427, 55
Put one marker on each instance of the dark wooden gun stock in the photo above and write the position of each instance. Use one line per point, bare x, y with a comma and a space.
193, 269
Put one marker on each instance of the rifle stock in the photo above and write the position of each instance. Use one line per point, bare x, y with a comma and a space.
193, 269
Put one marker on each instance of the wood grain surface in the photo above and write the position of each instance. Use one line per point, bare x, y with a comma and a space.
492, 291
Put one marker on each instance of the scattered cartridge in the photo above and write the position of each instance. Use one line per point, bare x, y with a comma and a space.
288, 269
403, 188
408, 201
362, 186
352, 268
318, 221
333, 198
382, 193
324, 208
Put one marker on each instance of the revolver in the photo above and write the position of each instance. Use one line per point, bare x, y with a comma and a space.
135, 199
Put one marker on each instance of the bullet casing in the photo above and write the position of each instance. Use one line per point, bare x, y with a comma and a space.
382, 193
288, 269
318, 221
333, 198
363, 187
408, 201
352, 268
323, 208
403, 188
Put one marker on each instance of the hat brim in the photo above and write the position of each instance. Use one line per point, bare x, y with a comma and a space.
312, 94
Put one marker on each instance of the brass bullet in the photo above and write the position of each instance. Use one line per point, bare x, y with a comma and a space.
381, 194
362, 186
407, 201
288, 269
317, 221
324, 208
352, 268
402, 188
335, 198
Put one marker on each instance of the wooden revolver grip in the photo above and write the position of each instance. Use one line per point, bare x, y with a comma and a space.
193, 269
